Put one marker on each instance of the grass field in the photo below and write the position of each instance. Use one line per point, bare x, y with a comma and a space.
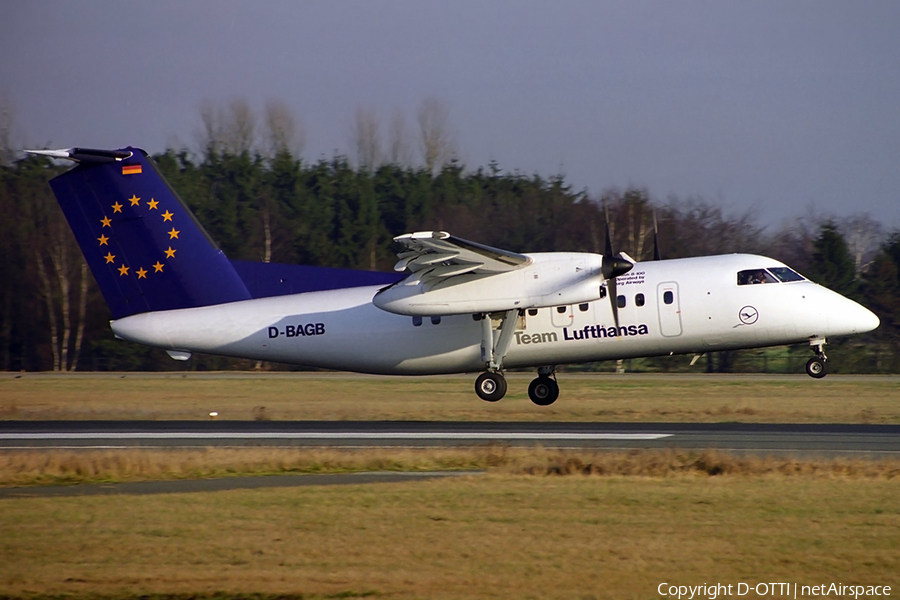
323, 396
494, 536
538, 524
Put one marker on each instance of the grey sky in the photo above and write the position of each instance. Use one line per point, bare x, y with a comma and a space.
777, 106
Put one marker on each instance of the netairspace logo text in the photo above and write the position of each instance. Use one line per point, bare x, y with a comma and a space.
770, 590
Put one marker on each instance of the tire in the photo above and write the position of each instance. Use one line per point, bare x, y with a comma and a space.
543, 391
490, 386
815, 367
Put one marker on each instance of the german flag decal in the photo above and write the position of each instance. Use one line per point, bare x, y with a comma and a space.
131, 169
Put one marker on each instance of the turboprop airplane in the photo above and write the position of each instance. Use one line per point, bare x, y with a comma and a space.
451, 306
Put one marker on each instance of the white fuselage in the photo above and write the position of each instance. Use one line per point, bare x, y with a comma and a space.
343, 329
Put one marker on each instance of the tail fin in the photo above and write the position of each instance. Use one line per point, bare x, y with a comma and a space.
144, 247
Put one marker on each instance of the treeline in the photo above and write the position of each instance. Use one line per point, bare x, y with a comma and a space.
280, 208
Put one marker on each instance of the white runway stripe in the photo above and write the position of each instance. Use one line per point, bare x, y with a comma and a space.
336, 435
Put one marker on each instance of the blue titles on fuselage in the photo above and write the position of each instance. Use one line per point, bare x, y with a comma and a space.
599, 331
585, 333
299, 330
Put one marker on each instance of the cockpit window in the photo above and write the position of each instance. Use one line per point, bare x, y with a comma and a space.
785, 274
752, 276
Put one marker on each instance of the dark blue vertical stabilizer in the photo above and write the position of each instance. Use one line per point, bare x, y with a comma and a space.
144, 247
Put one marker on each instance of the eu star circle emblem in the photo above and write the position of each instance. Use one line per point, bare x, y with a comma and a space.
748, 315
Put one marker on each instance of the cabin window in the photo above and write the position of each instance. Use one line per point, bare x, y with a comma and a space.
639, 299
620, 301
532, 312
561, 309
435, 320
583, 307
785, 274
753, 276
417, 321
668, 297
602, 291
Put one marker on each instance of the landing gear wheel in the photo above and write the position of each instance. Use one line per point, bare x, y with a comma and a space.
815, 367
543, 391
490, 386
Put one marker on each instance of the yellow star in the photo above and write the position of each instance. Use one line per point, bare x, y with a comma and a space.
106, 221
173, 234
167, 216
134, 200
117, 207
152, 204
170, 253
123, 270
158, 267
110, 257
103, 239
141, 273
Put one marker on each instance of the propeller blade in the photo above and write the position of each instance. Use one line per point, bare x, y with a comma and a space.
655, 238
609, 248
614, 302
612, 267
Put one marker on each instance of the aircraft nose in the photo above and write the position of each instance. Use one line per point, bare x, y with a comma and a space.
847, 317
862, 319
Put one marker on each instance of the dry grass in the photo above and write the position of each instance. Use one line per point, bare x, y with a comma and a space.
540, 524
56, 467
323, 396
493, 536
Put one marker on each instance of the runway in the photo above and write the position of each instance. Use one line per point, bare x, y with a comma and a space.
791, 439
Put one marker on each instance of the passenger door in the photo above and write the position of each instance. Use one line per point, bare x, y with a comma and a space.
669, 309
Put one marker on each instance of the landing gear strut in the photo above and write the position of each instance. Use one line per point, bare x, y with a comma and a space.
490, 385
815, 367
544, 390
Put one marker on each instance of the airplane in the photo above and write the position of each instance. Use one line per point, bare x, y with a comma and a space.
450, 306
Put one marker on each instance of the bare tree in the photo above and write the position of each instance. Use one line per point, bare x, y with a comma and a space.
61, 270
367, 139
398, 141
864, 236
231, 130
240, 127
281, 131
438, 146
7, 119
211, 137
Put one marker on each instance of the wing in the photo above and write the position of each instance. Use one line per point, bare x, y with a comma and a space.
432, 256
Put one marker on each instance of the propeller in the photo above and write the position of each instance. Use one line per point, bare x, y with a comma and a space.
612, 267
655, 238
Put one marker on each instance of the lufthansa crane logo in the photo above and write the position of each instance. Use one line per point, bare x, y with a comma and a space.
748, 315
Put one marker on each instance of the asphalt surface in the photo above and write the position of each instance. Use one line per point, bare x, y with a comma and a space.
220, 484
761, 438
824, 440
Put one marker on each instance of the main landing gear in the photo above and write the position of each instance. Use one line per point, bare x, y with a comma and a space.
543, 390
491, 385
815, 367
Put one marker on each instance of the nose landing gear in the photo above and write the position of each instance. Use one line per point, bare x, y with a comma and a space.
815, 367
